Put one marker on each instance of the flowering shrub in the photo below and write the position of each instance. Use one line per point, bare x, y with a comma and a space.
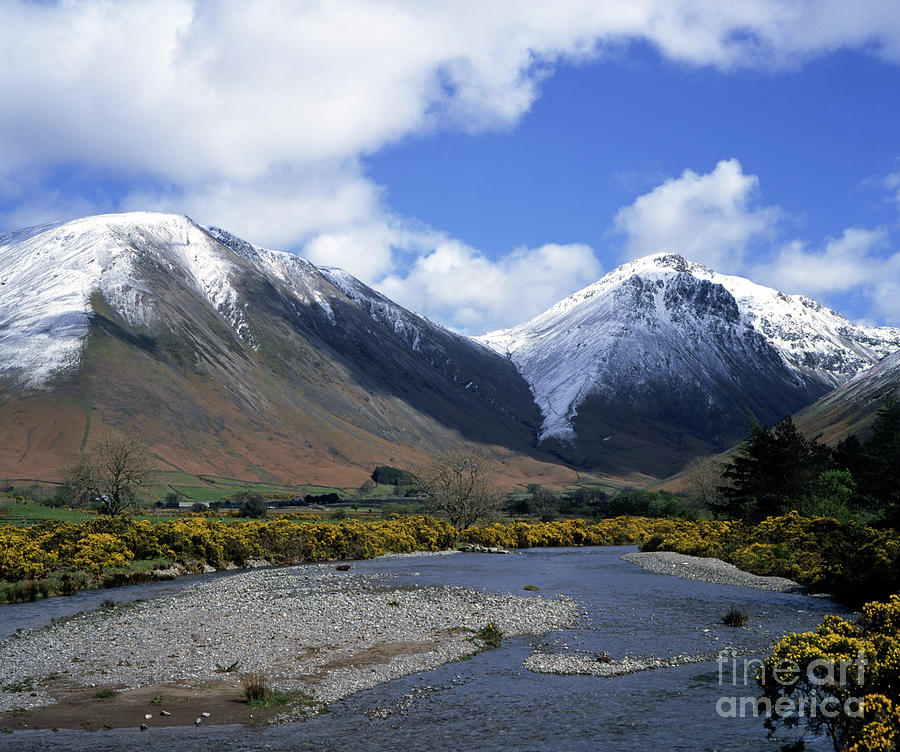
842, 679
98, 545
609, 532
22, 557
98, 551
855, 563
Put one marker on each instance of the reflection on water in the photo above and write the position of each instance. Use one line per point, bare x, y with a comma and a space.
492, 703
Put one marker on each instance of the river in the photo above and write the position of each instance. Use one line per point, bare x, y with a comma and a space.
491, 702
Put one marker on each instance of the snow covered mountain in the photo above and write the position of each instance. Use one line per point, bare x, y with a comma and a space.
238, 361
50, 273
230, 359
663, 358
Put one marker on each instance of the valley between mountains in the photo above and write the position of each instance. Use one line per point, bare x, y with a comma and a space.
242, 362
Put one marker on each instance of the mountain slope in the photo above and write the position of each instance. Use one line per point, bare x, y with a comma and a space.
663, 359
851, 408
230, 359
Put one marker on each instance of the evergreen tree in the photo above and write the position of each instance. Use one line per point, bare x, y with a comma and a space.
879, 475
772, 472
848, 455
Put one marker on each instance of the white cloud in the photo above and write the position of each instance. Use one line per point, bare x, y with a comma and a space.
256, 116
858, 263
892, 183
844, 263
281, 210
708, 218
367, 251
459, 286
190, 93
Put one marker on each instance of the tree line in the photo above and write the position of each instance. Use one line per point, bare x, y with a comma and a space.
777, 470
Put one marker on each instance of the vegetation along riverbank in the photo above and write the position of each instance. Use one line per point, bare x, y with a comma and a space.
854, 562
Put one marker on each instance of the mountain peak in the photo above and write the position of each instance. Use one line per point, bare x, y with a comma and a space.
229, 358
662, 340
58, 268
662, 260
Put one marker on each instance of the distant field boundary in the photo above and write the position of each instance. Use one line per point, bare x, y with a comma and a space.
33, 480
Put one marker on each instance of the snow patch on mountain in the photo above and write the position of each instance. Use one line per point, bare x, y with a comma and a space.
49, 274
662, 317
298, 275
382, 309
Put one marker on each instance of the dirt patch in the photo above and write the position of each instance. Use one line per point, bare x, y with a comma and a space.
380, 654
181, 705
80, 709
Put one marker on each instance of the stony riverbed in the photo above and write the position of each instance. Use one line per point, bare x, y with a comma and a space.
632, 639
308, 628
709, 570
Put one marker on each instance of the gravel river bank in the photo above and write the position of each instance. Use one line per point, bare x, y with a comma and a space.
379, 644
710, 570
311, 628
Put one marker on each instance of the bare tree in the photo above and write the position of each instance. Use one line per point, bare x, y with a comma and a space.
117, 471
703, 479
456, 483
544, 504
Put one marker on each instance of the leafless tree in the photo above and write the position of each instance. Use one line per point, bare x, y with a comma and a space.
704, 477
544, 504
117, 471
456, 483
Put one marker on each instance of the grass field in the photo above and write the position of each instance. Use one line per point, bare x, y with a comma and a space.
209, 488
17, 513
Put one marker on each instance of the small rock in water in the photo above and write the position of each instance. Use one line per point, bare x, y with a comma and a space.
342, 567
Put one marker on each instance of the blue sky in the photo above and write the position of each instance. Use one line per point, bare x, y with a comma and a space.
603, 133
475, 161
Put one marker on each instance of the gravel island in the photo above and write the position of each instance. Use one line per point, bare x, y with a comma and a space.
308, 629
709, 570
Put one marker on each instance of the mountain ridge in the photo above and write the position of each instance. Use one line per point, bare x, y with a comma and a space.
258, 363
662, 343
221, 352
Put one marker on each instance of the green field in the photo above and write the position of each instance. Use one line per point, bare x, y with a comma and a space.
17, 513
209, 488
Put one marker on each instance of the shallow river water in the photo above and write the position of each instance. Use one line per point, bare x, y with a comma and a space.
491, 702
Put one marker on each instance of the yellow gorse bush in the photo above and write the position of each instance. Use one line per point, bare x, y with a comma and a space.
21, 556
859, 665
98, 551
611, 532
106, 543
855, 563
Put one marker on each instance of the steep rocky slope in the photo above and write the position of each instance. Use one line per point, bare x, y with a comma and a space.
663, 359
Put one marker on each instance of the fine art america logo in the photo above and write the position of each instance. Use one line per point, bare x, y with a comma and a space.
823, 690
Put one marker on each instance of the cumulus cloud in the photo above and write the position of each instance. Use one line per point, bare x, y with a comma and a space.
369, 251
282, 210
709, 218
461, 287
843, 264
858, 262
191, 94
